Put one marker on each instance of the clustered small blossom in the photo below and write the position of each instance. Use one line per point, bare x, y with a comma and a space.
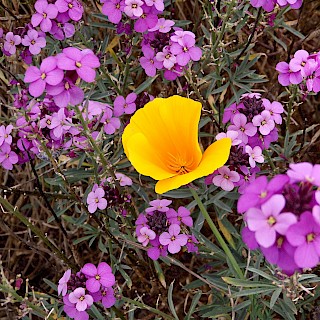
54, 18
164, 47
165, 229
7, 156
106, 195
81, 290
269, 5
283, 217
303, 69
252, 128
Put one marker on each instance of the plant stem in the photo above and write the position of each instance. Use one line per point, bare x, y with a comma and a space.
144, 306
292, 98
217, 234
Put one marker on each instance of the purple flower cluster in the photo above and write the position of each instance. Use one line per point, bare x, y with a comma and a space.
303, 69
106, 195
7, 157
252, 128
283, 217
269, 5
165, 229
81, 290
162, 48
55, 18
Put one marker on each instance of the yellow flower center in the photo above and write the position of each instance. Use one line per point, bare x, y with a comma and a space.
173, 238
67, 86
33, 42
168, 56
81, 298
96, 200
263, 194
134, 6
97, 277
118, 6
310, 237
280, 242
43, 76
78, 64
44, 15
185, 49
271, 220
70, 5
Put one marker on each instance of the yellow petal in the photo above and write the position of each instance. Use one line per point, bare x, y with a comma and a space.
146, 158
213, 158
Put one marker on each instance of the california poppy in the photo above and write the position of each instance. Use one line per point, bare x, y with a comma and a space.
161, 141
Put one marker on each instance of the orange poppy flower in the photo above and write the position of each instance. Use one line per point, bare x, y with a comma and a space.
161, 141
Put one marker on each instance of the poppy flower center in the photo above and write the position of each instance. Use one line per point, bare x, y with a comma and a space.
179, 165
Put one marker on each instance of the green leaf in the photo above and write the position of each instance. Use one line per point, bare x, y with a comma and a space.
170, 301
193, 305
145, 85
275, 297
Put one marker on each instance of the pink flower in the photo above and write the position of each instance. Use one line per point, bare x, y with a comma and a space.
166, 57
73, 7
255, 155
47, 74
71, 310
133, 8
111, 124
5, 136
113, 9
7, 157
226, 178
173, 239
159, 205
264, 122
63, 283
45, 13
146, 235
98, 276
82, 300
233, 135
275, 108
243, 128
123, 179
123, 105
106, 296
11, 42
268, 221
33, 41
163, 25
149, 62
158, 4
157, 250
84, 62
298, 62
96, 200
183, 215
304, 171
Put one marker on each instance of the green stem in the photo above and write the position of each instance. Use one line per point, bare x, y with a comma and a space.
37, 232
292, 98
270, 161
217, 234
144, 306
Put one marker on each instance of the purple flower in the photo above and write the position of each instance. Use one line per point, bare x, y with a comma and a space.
123, 105
267, 5
159, 205
61, 28
163, 25
249, 239
98, 276
83, 62
96, 200
294, 4
5, 136
312, 72
133, 8
268, 221
65, 93
63, 283
299, 61
275, 108
71, 310
146, 21
113, 9
33, 41
149, 63
158, 4
73, 7
304, 171
167, 58
106, 296
229, 113
243, 128
123, 179
183, 215
140, 223
157, 249
287, 76
281, 253
47, 74
82, 300
7, 157
233, 135
255, 155
264, 122
145, 235
192, 244
260, 190
11, 42
45, 13
173, 239
226, 178
186, 51
246, 177
178, 36
60, 124
304, 235
111, 124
